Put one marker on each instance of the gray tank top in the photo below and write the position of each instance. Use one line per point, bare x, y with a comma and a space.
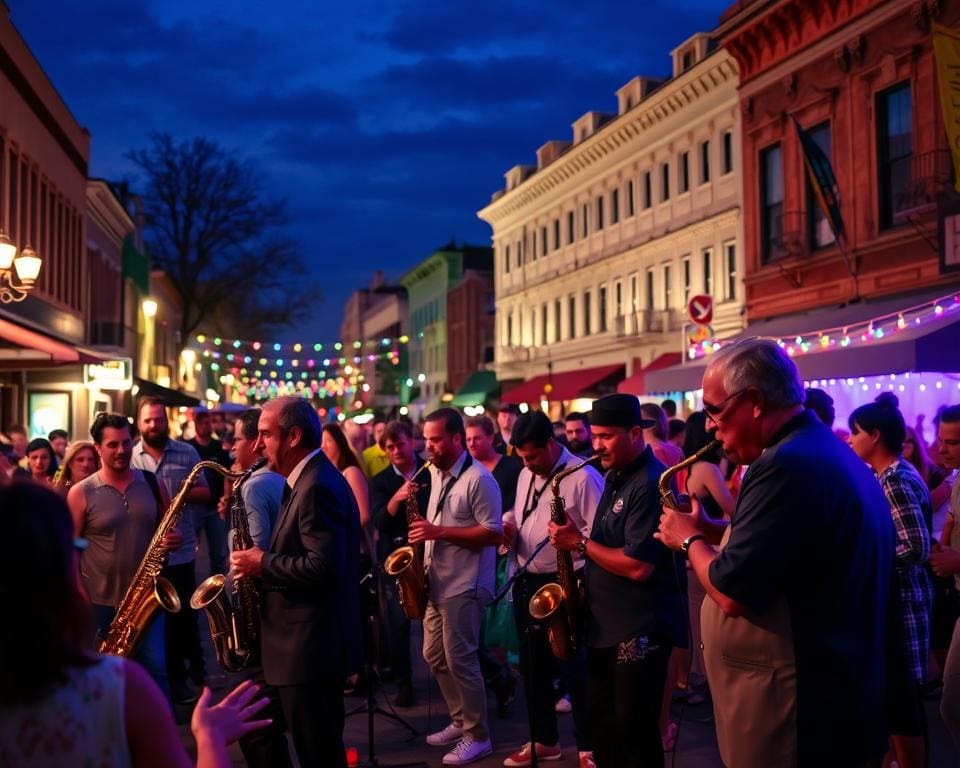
118, 527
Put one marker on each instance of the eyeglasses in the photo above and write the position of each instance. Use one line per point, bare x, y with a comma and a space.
715, 412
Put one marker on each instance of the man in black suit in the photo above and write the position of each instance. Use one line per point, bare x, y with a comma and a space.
389, 491
310, 608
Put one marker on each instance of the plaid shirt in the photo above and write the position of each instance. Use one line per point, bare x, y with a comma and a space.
912, 512
175, 464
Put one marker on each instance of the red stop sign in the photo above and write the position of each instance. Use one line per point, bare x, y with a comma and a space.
701, 309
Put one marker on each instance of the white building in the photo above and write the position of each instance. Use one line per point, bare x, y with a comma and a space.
599, 248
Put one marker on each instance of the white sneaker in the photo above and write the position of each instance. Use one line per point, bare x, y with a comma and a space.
449, 735
563, 705
468, 751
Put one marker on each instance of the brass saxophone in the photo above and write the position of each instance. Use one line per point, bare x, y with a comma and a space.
557, 605
234, 623
405, 565
148, 590
667, 497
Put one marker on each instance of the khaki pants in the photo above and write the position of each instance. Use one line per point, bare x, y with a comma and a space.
451, 637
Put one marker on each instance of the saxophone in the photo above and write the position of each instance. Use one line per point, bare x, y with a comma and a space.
670, 499
557, 605
234, 624
405, 565
148, 590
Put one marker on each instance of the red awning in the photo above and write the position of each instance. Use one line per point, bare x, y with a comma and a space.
586, 382
30, 346
636, 384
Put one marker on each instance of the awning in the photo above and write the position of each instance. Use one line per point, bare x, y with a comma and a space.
930, 346
586, 382
478, 387
636, 384
24, 349
169, 397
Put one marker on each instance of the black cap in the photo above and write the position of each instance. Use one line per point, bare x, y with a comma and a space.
619, 410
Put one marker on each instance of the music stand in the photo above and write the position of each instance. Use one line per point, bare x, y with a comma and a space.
369, 593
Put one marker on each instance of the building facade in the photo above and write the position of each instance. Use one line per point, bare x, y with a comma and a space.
428, 285
601, 245
859, 76
471, 309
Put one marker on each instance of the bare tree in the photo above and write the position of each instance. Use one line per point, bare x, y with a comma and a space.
214, 231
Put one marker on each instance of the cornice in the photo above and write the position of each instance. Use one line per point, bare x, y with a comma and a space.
668, 102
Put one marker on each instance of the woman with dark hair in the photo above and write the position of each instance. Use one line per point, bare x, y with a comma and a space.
62, 705
705, 481
337, 448
41, 460
80, 461
877, 433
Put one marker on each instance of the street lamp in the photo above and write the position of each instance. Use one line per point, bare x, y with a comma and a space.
18, 272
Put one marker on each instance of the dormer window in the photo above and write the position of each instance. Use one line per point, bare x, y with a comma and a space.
686, 61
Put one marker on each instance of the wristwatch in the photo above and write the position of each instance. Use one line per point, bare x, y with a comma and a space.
582, 547
689, 540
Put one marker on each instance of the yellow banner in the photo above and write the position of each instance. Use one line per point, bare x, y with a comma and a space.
946, 49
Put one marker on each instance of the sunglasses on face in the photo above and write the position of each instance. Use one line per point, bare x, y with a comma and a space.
715, 412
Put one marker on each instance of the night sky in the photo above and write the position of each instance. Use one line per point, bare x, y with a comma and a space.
385, 125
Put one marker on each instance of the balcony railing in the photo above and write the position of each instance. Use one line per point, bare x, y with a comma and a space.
647, 321
917, 183
785, 236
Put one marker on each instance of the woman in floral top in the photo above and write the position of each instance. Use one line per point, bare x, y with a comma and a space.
61, 704
877, 433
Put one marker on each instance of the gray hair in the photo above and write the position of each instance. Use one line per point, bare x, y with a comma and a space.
297, 412
762, 365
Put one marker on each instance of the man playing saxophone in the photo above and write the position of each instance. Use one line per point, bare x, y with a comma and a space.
261, 495
524, 527
116, 511
633, 587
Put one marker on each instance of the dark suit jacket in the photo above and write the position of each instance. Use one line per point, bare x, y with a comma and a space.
310, 606
393, 529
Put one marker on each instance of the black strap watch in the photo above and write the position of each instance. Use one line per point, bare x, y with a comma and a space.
685, 547
582, 547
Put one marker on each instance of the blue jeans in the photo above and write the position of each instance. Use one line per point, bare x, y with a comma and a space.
151, 651
207, 519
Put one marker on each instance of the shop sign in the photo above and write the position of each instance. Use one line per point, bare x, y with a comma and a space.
110, 374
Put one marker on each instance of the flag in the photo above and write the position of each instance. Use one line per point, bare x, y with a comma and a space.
946, 50
822, 180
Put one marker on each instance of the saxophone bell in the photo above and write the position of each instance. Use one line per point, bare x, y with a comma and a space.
233, 653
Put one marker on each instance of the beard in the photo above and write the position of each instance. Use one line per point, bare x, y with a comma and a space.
578, 446
156, 439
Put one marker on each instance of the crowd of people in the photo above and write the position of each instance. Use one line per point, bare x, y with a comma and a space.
791, 560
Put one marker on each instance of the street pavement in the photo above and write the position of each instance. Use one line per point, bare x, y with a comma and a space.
397, 744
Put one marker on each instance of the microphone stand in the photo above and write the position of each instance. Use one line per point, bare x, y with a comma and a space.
525, 640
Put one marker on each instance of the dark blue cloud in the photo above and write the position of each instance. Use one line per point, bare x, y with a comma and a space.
385, 125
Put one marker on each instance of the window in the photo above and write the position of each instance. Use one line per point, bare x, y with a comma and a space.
708, 271
533, 250
631, 203
667, 286
556, 320
602, 309
771, 203
587, 330
650, 297
634, 293
543, 241
600, 213
704, 162
730, 259
687, 61
506, 257
572, 317
556, 234
510, 329
647, 190
618, 298
687, 287
684, 182
543, 323
728, 152
519, 253
895, 151
665, 182
533, 327
586, 219
571, 229
818, 226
